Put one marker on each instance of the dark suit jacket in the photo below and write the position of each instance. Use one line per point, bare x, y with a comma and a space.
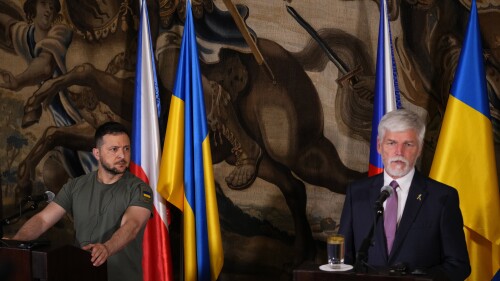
430, 234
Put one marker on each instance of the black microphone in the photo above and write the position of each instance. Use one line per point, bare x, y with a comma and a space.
361, 264
385, 192
47, 196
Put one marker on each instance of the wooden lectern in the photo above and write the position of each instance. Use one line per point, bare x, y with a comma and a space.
47, 263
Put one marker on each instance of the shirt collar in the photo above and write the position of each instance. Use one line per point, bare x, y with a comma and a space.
404, 182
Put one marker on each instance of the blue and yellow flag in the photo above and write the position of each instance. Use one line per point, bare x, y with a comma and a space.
186, 174
465, 157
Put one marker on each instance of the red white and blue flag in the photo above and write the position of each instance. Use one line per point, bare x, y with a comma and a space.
145, 160
387, 96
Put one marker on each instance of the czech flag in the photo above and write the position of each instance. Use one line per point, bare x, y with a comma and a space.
387, 96
145, 162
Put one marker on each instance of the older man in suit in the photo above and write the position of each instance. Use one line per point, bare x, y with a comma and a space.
421, 226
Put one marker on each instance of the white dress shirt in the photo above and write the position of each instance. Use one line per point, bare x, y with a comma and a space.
403, 189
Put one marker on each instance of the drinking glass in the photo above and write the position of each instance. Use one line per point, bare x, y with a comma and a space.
335, 250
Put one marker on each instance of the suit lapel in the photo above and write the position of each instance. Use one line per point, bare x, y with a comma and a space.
378, 182
379, 235
416, 197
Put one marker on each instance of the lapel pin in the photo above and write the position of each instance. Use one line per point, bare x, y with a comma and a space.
419, 197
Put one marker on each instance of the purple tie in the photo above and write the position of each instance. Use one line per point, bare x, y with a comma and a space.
391, 216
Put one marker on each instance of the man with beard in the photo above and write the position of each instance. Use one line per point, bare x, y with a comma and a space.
421, 230
110, 208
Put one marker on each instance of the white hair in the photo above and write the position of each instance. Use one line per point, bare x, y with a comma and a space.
402, 120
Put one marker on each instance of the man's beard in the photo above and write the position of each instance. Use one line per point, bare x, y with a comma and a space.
112, 170
398, 172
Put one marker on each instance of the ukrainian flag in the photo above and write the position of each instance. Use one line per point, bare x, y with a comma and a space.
465, 156
186, 174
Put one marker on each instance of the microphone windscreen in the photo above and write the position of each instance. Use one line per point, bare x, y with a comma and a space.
388, 189
50, 196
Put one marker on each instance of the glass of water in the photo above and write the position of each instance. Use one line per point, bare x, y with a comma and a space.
335, 250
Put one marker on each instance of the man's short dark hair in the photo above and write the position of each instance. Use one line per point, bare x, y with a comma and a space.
109, 128
30, 9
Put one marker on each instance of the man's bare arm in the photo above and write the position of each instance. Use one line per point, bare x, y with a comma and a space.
40, 222
133, 220
40, 69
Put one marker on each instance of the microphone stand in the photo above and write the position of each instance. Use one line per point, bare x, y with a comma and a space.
7, 221
361, 265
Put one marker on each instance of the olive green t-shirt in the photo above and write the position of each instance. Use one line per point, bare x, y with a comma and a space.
97, 210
